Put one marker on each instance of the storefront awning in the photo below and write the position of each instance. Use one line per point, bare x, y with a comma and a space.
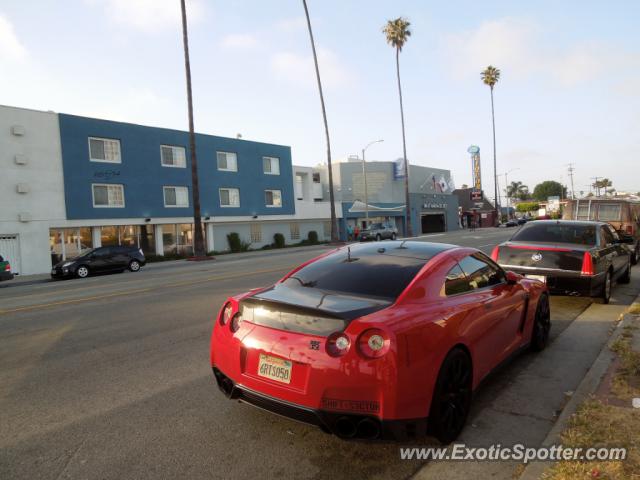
359, 206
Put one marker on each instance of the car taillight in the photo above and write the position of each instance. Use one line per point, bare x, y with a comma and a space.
630, 229
236, 320
227, 312
337, 344
587, 264
495, 252
7, 267
373, 343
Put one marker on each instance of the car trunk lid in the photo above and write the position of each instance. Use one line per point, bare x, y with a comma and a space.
565, 256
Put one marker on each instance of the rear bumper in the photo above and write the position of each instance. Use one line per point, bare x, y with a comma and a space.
343, 424
565, 282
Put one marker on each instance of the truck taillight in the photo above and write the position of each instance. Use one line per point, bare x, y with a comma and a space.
7, 267
587, 264
495, 253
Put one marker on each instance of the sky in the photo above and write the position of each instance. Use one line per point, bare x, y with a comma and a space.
569, 90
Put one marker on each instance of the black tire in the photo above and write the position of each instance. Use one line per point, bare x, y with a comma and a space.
378, 237
626, 276
635, 256
451, 397
607, 285
541, 324
82, 271
393, 236
134, 266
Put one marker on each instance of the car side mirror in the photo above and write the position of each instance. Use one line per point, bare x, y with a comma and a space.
512, 277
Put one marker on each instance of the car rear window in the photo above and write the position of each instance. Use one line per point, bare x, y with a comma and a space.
366, 273
557, 233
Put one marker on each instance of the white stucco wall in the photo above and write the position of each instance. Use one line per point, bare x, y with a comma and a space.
41, 175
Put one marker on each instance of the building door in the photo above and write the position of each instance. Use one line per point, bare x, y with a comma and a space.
433, 223
10, 251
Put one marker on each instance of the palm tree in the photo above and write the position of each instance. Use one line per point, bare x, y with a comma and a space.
198, 240
490, 76
517, 190
397, 33
334, 226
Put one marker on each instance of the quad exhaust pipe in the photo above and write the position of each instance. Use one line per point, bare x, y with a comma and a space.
348, 427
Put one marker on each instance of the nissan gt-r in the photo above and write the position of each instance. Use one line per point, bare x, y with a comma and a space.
386, 340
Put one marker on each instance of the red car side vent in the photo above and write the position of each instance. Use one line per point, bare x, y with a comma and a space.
587, 264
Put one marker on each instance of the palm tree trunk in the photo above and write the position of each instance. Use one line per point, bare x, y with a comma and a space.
409, 229
495, 166
334, 225
198, 240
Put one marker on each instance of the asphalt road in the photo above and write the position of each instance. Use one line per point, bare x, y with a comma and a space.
109, 377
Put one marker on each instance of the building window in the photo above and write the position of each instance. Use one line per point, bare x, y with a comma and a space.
316, 177
69, 242
229, 197
256, 233
299, 187
273, 198
108, 195
271, 165
104, 150
171, 156
586, 212
609, 212
227, 161
176, 196
109, 236
294, 231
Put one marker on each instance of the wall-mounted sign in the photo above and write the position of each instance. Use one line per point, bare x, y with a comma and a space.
476, 195
434, 205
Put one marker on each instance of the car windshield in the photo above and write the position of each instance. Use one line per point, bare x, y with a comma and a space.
557, 233
366, 273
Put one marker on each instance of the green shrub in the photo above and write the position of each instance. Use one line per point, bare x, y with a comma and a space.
278, 240
235, 244
312, 237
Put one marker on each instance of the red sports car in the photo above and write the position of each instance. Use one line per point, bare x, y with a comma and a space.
385, 340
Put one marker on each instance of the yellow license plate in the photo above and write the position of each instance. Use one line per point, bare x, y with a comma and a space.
275, 368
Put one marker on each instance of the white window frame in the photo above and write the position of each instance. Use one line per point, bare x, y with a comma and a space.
272, 196
175, 187
101, 160
220, 197
173, 147
235, 156
93, 194
271, 159
294, 231
255, 232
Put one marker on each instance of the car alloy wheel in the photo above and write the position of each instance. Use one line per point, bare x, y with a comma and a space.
541, 325
452, 397
82, 272
134, 266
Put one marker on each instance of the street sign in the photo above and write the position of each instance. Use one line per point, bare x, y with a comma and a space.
476, 195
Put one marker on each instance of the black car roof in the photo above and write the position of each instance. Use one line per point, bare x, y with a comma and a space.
401, 248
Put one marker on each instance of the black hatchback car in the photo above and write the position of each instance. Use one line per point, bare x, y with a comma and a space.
100, 260
571, 257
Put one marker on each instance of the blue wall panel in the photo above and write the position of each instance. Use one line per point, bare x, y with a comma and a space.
143, 176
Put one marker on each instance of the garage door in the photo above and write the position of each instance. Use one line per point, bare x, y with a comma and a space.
10, 251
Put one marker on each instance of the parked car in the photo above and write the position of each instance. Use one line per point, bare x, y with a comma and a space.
569, 256
511, 223
100, 260
5, 270
622, 213
378, 341
379, 231
522, 221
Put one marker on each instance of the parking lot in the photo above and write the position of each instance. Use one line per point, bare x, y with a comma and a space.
109, 377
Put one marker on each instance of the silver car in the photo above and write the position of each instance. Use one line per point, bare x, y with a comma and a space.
379, 231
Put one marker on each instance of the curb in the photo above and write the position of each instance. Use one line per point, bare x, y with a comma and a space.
587, 386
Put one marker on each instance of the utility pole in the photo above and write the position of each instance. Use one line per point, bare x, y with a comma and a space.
570, 170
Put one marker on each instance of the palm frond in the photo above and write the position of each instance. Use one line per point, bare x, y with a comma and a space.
397, 32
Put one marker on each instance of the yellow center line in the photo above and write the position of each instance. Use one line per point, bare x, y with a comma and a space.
140, 290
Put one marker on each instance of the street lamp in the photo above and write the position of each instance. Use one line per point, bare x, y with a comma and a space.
364, 174
506, 188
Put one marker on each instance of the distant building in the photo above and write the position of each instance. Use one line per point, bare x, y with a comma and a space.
71, 183
482, 212
433, 207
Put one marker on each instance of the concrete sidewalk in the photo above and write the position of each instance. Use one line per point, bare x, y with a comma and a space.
526, 410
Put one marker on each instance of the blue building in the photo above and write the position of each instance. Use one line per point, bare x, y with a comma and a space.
76, 183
